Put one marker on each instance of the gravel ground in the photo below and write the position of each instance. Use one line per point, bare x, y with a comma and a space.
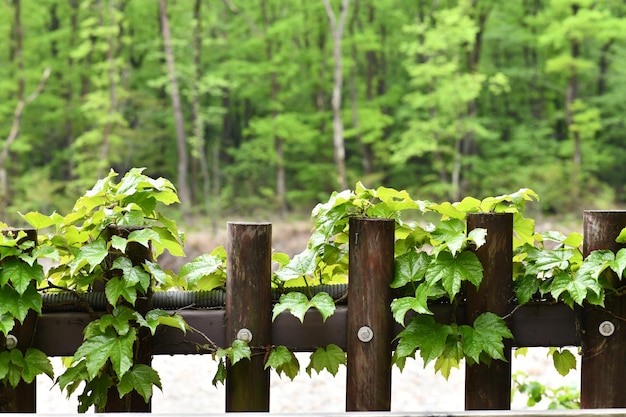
187, 387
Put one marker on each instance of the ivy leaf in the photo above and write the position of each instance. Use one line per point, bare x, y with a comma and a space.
486, 336
548, 260
167, 240
419, 303
410, 267
92, 254
524, 229
324, 303
140, 378
619, 264
72, 377
525, 287
450, 358
7, 322
157, 316
143, 236
20, 274
98, 349
330, 359
622, 236
451, 271
448, 210
220, 373
155, 270
564, 361
201, 267
238, 351
296, 302
36, 363
40, 221
425, 334
452, 233
283, 361
303, 263
478, 236
19, 305
116, 288
119, 243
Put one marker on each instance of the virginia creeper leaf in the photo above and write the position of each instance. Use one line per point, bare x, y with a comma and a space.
140, 378
329, 358
283, 361
451, 271
410, 266
564, 361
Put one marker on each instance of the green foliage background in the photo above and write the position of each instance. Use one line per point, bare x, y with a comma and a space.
444, 99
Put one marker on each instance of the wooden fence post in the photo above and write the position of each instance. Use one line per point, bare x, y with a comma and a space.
489, 387
249, 306
603, 372
133, 401
23, 398
370, 322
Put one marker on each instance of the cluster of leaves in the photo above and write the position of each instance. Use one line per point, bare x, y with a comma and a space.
94, 247
20, 275
560, 398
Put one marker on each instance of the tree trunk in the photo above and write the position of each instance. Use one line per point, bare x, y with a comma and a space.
181, 141
571, 94
198, 121
337, 28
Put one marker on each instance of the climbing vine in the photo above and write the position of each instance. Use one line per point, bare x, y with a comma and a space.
111, 239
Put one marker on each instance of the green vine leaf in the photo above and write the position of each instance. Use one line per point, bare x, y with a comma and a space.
450, 358
283, 361
526, 287
329, 358
451, 233
140, 378
301, 264
564, 361
143, 236
451, 271
296, 302
98, 349
425, 334
419, 304
18, 305
619, 264
206, 268
20, 274
91, 254
116, 288
410, 267
486, 335
36, 363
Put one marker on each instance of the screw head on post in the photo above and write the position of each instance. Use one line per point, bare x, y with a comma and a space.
11, 342
365, 334
244, 335
606, 328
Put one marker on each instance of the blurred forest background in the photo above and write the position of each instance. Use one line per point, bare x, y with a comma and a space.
263, 107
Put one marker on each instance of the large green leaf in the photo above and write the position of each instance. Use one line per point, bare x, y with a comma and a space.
140, 378
36, 363
564, 361
452, 233
19, 305
107, 346
143, 236
91, 254
202, 267
116, 288
303, 263
329, 358
451, 271
486, 335
410, 267
425, 334
283, 361
20, 274
296, 302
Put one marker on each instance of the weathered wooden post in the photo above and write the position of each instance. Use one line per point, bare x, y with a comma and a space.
138, 254
603, 373
23, 398
489, 387
370, 322
248, 313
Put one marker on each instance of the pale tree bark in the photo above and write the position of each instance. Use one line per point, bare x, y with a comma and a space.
111, 73
337, 27
181, 141
22, 102
198, 121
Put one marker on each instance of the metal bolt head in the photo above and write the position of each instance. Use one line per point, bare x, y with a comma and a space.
11, 342
244, 335
606, 328
365, 334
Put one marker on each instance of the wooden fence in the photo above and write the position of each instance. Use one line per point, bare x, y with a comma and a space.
248, 304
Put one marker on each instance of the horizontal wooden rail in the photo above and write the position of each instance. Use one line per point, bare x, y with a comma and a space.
533, 325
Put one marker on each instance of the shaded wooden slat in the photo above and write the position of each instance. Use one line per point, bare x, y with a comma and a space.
603, 372
248, 306
489, 387
371, 269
